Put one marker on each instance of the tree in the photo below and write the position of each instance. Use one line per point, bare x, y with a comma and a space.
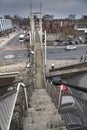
48, 17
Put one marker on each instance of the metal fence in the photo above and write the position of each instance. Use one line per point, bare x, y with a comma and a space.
6, 109
75, 117
7, 106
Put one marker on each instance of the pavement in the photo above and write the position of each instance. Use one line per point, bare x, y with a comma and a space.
60, 63
42, 115
4, 40
12, 67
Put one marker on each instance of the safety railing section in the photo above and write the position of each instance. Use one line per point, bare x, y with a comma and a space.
83, 104
7, 105
73, 110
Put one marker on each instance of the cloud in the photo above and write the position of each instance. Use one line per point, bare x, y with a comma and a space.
55, 7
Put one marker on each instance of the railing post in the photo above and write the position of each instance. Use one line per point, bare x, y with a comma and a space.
60, 97
25, 92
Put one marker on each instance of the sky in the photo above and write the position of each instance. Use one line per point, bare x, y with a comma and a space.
57, 8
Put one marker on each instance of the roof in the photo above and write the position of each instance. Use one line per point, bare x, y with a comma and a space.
67, 99
21, 36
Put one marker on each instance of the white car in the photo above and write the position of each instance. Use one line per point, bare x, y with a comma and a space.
21, 38
67, 104
71, 47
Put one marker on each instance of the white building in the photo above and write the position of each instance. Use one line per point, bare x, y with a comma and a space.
5, 24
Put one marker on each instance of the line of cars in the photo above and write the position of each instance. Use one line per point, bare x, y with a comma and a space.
69, 44
80, 40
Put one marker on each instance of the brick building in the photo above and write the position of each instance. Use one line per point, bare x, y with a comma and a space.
58, 25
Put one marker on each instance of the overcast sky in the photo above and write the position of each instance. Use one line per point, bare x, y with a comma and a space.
58, 8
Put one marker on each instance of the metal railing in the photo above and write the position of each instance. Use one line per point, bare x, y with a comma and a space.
6, 109
76, 116
7, 105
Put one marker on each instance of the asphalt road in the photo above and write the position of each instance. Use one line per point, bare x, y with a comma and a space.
78, 80
13, 50
61, 53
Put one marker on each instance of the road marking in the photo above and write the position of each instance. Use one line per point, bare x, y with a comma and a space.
9, 56
15, 48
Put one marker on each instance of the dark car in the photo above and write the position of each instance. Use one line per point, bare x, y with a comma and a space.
85, 42
27, 37
56, 80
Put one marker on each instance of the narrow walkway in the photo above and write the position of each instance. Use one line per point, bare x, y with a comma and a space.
42, 114
5, 40
39, 77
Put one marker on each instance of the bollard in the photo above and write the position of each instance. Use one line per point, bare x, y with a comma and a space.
52, 66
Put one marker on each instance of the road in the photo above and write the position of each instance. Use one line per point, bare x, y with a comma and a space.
78, 80
13, 50
61, 53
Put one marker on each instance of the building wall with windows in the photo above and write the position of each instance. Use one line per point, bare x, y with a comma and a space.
57, 25
5, 24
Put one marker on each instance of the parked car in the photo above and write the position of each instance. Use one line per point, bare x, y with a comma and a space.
67, 104
21, 38
71, 42
58, 40
64, 89
71, 47
85, 42
56, 80
27, 37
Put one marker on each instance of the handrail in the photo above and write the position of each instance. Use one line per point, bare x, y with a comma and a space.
7, 105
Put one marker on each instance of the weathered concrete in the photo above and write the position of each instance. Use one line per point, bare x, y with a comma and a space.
39, 78
42, 114
13, 67
5, 40
68, 70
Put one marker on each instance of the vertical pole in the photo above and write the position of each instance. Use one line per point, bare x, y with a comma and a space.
45, 50
25, 92
40, 23
60, 97
32, 29
26, 98
41, 30
30, 38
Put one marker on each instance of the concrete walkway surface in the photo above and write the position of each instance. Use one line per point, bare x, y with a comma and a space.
42, 114
61, 63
